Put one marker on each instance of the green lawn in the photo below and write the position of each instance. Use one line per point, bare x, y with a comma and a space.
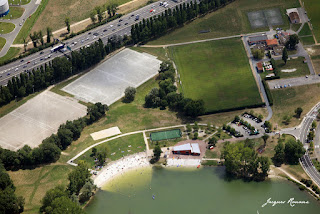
301, 68
313, 8
6, 27
17, 2
14, 13
216, 72
295, 27
117, 148
12, 52
230, 20
27, 26
305, 31
2, 42
308, 40
158, 52
287, 100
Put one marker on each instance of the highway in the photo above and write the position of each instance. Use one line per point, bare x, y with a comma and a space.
305, 160
120, 27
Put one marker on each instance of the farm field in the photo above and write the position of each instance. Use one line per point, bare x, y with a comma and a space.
14, 13
313, 8
216, 72
227, 21
56, 11
285, 101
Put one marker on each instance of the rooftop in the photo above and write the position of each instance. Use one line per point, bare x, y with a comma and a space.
272, 42
258, 38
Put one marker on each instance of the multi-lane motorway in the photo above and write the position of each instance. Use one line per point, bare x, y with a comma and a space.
120, 27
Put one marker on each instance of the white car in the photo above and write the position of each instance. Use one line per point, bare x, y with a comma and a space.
16, 69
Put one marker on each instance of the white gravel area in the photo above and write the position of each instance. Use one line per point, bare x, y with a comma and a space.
183, 162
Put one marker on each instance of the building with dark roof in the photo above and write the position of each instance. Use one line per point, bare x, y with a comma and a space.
257, 39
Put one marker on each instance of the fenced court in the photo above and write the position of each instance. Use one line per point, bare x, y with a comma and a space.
265, 18
106, 83
165, 135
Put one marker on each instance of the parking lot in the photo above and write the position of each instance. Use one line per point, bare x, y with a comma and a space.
107, 82
243, 129
37, 119
297, 81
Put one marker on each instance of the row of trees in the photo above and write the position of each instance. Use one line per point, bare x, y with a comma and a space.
166, 95
50, 149
57, 70
288, 152
9, 202
171, 18
67, 200
242, 161
37, 38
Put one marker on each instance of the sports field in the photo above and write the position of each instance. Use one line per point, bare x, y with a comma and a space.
313, 8
107, 82
217, 72
37, 119
165, 135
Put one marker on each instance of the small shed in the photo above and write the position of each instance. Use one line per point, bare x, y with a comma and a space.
259, 67
272, 42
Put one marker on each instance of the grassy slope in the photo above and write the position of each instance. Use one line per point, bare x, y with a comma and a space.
118, 147
289, 99
313, 8
2, 42
12, 52
305, 31
231, 20
216, 72
77, 10
6, 27
159, 52
14, 13
26, 28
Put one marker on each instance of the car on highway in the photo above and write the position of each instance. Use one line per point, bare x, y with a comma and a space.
105, 30
113, 29
24, 66
132, 15
96, 34
28, 62
41, 52
119, 25
126, 23
22, 60
49, 55
8, 74
111, 25
151, 10
120, 20
0, 76
16, 69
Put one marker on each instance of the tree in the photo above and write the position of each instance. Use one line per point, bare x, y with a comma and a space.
213, 141
87, 191
64, 205
25, 44
298, 112
101, 156
41, 37
49, 34
67, 22
286, 119
194, 108
189, 128
94, 152
156, 154
129, 94
285, 55
279, 156
196, 126
265, 138
257, 54
78, 177
93, 16
292, 42
195, 136
314, 125
311, 146
293, 151
50, 195
99, 11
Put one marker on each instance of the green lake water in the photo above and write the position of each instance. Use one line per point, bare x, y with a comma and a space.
196, 191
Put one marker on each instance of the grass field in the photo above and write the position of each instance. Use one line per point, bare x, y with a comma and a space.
117, 148
6, 27
307, 40
26, 28
313, 8
12, 52
14, 13
216, 72
33, 184
305, 31
295, 27
287, 100
159, 52
2, 42
77, 10
231, 20
302, 68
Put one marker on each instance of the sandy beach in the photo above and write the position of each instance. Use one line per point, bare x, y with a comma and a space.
119, 167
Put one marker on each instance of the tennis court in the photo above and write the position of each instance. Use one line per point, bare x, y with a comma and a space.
165, 135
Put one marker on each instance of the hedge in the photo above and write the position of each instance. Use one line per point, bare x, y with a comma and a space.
268, 92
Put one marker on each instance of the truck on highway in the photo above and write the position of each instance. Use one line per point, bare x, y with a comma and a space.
56, 48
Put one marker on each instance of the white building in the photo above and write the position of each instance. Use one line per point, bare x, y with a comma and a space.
4, 7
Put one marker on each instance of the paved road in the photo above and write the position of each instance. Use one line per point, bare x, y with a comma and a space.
296, 81
104, 32
317, 143
30, 8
